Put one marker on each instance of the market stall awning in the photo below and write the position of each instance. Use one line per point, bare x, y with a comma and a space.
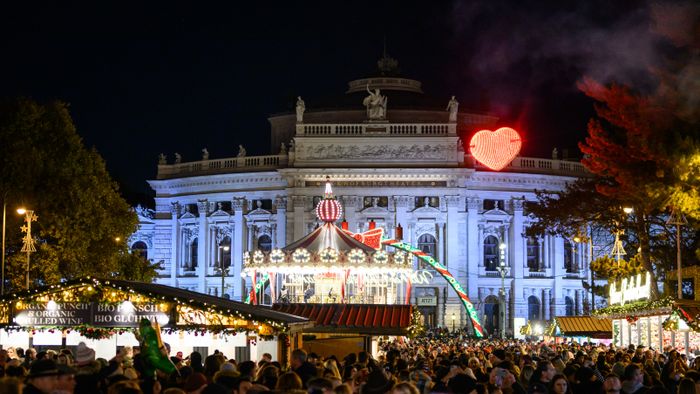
113, 303
353, 318
582, 326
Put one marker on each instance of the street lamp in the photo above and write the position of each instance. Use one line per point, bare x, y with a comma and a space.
503, 270
222, 249
453, 321
679, 220
28, 242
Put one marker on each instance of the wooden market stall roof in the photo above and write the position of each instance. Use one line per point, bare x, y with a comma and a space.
582, 326
168, 294
353, 318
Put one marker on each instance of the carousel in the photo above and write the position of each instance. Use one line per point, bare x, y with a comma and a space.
332, 265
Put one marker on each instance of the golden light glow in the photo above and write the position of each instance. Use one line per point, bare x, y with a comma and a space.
21, 211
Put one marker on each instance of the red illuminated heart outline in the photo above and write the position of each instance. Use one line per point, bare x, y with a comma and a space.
495, 149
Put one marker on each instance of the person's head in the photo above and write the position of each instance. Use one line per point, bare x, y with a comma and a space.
289, 381
247, 368
612, 384
298, 358
196, 360
546, 371
526, 374
559, 384
404, 388
66, 379
342, 389
10, 385
212, 364
43, 375
30, 353
267, 357
243, 385
686, 386
634, 374
319, 386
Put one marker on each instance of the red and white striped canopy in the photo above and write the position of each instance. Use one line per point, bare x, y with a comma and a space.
328, 236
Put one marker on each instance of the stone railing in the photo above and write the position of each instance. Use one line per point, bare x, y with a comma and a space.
536, 165
365, 129
270, 162
233, 164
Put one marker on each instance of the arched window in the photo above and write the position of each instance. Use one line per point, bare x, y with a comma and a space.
194, 246
491, 253
533, 254
265, 243
225, 252
533, 308
569, 306
140, 249
428, 244
568, 256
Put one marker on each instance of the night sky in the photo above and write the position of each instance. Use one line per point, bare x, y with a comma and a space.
144, 77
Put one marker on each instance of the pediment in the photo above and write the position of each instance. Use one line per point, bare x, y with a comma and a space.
427, 209
187, 215
258, 214
219, 213
496, 212
377, 210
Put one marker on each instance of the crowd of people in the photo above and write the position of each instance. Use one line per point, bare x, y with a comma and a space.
437, 362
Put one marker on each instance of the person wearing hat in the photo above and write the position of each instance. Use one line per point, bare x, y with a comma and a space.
377, 383
65, 384
42, 378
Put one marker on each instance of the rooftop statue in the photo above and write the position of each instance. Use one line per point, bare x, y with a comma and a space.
205, 154
376, 104
241, 151
301, 107
162, 159
178, 158
452, 107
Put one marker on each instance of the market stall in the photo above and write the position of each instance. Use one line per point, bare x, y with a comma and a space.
580, 329
105, 314
659, 324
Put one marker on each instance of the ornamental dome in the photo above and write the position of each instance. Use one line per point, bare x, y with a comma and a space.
329, 209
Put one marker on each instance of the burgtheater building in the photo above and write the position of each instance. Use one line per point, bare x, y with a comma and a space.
394, 159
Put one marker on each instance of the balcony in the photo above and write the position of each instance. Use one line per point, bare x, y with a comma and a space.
535, 165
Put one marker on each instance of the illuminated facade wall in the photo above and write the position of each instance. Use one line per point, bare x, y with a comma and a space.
398, 171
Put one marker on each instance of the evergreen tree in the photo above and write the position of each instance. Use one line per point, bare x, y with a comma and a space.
45, 167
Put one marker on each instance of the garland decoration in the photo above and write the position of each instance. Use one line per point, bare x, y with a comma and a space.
636, 308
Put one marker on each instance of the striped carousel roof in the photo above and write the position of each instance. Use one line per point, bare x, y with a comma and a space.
328, 236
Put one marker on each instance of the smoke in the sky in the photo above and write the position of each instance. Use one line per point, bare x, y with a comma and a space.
518, 50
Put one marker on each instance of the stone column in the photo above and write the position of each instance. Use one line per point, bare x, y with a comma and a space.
251, 235
516, 247
202, 246
441, 243
473, 252
281, 205
175, 241
577, 303
299, 204
451, 242
545, 304
237, 242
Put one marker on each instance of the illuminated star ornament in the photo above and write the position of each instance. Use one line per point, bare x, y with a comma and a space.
495, 149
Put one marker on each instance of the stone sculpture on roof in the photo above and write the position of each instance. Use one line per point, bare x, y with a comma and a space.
375, 104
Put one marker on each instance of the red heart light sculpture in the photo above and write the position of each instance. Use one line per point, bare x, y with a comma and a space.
495, 149
371, 238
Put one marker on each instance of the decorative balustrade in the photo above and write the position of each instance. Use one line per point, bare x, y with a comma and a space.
262, 163
249, 163
536, 165
363, 129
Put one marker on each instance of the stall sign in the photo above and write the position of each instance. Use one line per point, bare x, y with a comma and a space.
426, 301
68, 314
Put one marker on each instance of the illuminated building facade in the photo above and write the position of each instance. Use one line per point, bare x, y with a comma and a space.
390, 165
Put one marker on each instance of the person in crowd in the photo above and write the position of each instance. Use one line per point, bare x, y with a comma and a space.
301, 366
633, 382
11, 385
560, 385
42, 378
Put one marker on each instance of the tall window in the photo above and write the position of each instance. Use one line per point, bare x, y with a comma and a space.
491, 253
225, 252
533, 308
194, 246
140, 249
569, 306
265, 243
568, 256
533, 254
428, 244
